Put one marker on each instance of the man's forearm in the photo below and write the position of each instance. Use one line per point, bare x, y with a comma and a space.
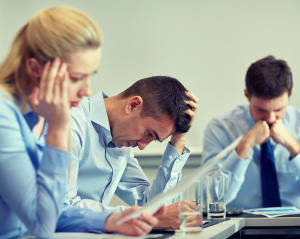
293, 147
178, 143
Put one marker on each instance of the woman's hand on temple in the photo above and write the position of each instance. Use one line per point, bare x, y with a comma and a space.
50, 100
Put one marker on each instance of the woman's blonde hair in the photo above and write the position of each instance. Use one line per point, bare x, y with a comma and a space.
50, 33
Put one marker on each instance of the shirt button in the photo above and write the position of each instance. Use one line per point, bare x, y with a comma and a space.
170, 157
177, 161
294, 169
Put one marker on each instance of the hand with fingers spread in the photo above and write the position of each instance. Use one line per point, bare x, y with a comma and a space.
50, 100
177, 139
135, 226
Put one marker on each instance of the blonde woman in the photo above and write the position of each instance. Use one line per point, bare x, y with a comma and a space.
47, 71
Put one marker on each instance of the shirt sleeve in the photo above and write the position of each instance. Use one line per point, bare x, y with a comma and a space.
33, 191
216, 138
134, 187
295, 164
74, 219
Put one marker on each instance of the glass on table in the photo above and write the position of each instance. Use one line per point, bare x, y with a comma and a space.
216, 197
190, 209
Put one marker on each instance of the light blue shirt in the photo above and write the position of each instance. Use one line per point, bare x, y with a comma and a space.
243, 176
33, 180
100, 170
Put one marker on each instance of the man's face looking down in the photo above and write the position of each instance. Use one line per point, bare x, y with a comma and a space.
268, 110
138, 131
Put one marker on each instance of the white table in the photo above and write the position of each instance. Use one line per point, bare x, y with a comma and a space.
271, 226
221, 230
272, 222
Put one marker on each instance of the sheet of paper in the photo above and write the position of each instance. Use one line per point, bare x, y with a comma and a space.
156, 202
273, 211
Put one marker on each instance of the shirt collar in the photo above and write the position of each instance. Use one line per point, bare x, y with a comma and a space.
250, 118
30, 116
32, 119
98, 113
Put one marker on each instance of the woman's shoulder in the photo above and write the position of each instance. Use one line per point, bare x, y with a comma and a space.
7, 105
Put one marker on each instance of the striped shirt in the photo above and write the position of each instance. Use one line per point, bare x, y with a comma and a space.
100, 170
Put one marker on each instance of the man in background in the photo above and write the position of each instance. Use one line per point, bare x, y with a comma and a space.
264, 169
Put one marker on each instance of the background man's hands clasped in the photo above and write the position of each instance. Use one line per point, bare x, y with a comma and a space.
262, 132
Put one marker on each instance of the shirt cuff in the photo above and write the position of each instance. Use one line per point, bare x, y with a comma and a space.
235, 164
55, 161
295, 163
172, 160
97, 221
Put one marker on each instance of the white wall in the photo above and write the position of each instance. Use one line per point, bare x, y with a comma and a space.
207, 45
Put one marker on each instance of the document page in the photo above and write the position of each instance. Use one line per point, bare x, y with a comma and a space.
159, 200
273, 211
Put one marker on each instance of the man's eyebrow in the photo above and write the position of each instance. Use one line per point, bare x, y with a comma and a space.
279, 108
266, 110
260, 108
157, 137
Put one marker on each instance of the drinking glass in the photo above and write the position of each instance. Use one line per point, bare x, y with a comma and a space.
216, 197
190, 209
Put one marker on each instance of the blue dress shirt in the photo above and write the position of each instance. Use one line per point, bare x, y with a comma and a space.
243, 176
100, 170
33, 180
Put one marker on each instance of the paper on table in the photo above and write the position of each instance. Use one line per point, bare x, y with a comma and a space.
273, 211
161, 198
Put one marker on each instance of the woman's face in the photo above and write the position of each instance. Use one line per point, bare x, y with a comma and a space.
81, 66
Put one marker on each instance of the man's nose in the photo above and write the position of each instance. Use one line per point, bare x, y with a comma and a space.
143, 143
271, 118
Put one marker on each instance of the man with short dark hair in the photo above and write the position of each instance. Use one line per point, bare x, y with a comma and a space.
264, 169
103, 131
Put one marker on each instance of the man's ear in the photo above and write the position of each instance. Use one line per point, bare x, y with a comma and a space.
134, 105
292, 91
247, 94
35, 69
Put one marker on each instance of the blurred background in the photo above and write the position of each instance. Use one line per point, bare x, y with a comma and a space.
207, 45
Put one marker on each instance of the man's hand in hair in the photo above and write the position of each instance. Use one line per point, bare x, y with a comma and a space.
178, 140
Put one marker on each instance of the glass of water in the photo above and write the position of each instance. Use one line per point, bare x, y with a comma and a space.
216, 197
190, 209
